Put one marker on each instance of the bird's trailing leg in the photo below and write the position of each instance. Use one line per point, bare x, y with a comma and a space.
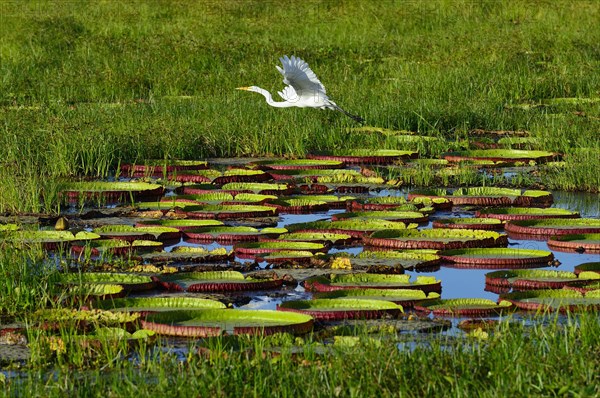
356, 118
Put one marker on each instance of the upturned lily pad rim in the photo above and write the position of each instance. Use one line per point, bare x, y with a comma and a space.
405, 297
525, 213
133, 304
463, 306
333, 304
535, 279
519, 299
574, 242
507, 256
325, 284
208, 322
554, 226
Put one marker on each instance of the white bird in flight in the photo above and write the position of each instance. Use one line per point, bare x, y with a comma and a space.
303, 90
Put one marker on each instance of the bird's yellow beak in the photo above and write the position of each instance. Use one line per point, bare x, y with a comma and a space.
243, 88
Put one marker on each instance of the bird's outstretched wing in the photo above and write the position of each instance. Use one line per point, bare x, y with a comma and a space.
297, 74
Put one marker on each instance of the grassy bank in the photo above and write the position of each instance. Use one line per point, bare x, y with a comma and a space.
87, 85
516, 360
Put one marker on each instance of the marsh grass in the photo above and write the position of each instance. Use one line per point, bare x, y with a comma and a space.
554, 356
88, 85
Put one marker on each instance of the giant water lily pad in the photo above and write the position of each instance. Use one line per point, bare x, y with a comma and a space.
555, 300
188, 254
392, 260
273, 246
576, 242
50, 240
333, 201
298, 205
588, 267
298, 164
354, 228
204, 323
335, 309
116, 247
152, 166
258, 187
95, 291
131, 233
525, 213
405, 297
223, 212
487, 196
554, 226
313, 175
215, 281
286, 256
366, 156
439, 239
390, 215
513, 155
469, 223
110, 191
373, 281
130, 282
497, 257
319, 237
224, 234
241, 175
146, 305
464, 307
537, 279
181, 225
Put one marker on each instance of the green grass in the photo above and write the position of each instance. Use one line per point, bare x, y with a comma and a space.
550, 359
86, 85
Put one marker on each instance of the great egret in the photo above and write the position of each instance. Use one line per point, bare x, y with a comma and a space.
304, 90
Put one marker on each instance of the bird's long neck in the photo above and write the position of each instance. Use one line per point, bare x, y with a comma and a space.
270, 100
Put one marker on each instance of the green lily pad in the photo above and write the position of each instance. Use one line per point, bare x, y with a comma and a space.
111, 191
273, 246
224, 234
554, 226
355, 228
258, 187
497, 257
116, 246
365, 156
204, 323
281, 256
181, 225
487, 196
469, 223
394, 260
440, 239
406, 297
402, 216
464, 307
298, 164
223, 212
50, 240
320, 237
128, 232
537, 279
215, 281
188, 254
525, 213
147, 305
335, 309
373, 281
500, 154
152, 166
298, 205
130, 282
576, 242
555, 300
588, 267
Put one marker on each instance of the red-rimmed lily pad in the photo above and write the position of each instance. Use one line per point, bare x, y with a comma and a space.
366, 156
373, 281
146, 305
253, 248
464, 307
110, 191
587, 267
354, 228
116, 247
405, 297
512, 155
298, 205
224, 234
130, 282
188, 254
497, 257
390, 215
320, 237
395, 260
286, 256
335, 309
241, 175
313, 175
469, 223
439, 239
182, 225
131, 233
50, 240
153, 166
487, 196
224, 212
215, 281
576, 242
525, 213
333, 201
554, 226
563, 300
298, 164
258, 187
537, 279
205, 323
95, 291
